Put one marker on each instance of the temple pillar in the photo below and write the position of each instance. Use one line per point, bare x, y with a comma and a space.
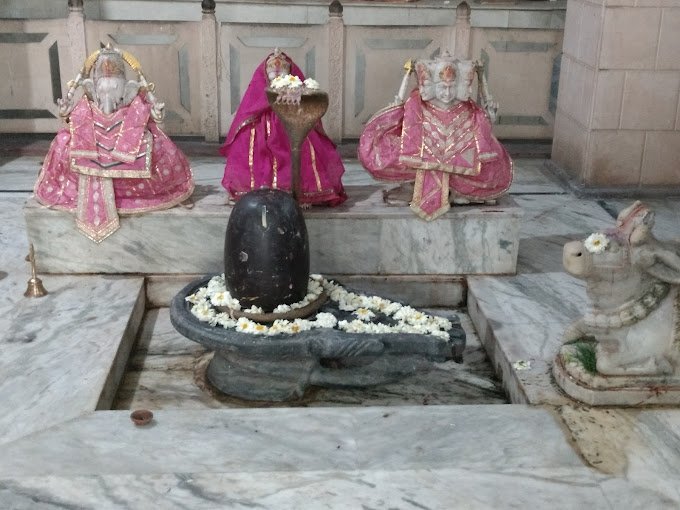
617, 125
463, 32
336, 72
209, 92
76, 33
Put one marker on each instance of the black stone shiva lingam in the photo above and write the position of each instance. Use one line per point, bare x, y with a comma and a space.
267, 265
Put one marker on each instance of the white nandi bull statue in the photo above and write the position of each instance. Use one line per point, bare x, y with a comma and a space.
632, 280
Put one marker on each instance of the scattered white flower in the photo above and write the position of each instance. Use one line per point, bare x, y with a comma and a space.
244, 325
254, 309
596, 243
364, 308
223, 298
278, 83
293, 81
522, 364
259, 329
282, 309
203, 312
311, 84
363, 314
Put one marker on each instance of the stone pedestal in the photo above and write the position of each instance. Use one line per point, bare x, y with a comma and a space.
616, 126
599, 390
363, 236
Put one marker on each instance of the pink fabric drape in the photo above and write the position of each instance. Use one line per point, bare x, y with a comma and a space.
102, 165
439, 150
258, 151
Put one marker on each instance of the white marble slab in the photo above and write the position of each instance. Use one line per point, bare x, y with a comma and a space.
362, 236
263, 440
533, 177
19, 173
62, 355
438, 489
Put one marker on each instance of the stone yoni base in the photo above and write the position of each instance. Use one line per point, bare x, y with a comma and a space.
282, 367
599, 390
362, 236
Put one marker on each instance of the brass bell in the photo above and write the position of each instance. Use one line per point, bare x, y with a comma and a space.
35, 286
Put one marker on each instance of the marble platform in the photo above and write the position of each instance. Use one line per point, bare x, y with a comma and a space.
61, 454
362, 236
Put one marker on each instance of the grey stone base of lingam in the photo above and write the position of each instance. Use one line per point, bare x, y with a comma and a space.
282, 367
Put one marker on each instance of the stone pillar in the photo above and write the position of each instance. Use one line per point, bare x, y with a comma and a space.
617, 125
209, 72
76, 33
463, 32
336, 72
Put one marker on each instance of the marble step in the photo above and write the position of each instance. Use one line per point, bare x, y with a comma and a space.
63, 355
362, 236
498, 438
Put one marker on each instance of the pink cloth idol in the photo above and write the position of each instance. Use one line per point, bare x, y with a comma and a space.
112, 158
439, 139
258, 151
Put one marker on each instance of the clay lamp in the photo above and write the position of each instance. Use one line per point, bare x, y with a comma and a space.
141, 417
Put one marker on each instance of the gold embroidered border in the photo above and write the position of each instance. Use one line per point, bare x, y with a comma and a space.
314, 169
99, 233
251, 151
145, 173
130, 156
418, 197
275, 164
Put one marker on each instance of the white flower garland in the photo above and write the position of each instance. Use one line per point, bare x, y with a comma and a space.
365, 308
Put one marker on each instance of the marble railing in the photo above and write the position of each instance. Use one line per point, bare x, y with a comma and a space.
201, 55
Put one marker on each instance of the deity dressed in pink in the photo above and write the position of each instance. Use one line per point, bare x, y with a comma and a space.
439, 139
112, 158
258, 151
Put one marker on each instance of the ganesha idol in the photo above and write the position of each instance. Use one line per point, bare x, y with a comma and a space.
112, 158
439, 139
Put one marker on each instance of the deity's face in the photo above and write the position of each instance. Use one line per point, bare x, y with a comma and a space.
109, 81
277, 65
109, 92
445, 92
466, 74
444, 77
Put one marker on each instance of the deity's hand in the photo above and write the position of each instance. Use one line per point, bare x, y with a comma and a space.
491, 109
65, 106
157, 111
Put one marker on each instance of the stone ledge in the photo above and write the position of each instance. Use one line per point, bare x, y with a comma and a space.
363, 236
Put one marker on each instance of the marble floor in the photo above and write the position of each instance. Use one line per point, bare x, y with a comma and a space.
62, 358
